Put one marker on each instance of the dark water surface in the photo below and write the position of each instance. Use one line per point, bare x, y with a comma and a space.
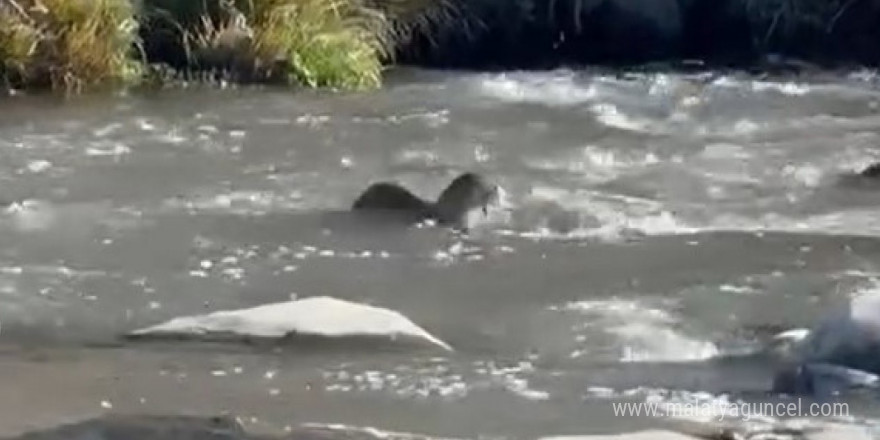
659, 223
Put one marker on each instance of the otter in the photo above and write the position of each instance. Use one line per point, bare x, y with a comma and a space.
468, 191
866, 178
871, 171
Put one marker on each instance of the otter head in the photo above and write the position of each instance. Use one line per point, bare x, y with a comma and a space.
467, 192
871, 171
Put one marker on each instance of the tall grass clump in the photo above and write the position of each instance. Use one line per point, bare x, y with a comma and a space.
67, 44
340, 44
321, 43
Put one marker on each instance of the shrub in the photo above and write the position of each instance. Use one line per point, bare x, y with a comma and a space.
323, 43
67, 44
342, 44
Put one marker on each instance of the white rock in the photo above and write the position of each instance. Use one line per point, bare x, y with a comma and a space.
319, 316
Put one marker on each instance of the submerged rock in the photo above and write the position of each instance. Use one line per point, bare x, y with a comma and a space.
316, 316
840, 353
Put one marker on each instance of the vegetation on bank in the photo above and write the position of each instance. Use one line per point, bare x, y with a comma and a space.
345, 44
78, 44
67, 44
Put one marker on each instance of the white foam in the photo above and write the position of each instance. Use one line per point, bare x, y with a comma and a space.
725, 151
320, 316
173, 137
786, 88
559, 88
596, 215
432, 119
38, 166
609, 115
243, 202
115, 150
849, 222
313, 121
806, 175
416, 157
596, 164
32, 215
107, 129
644, 334
145, 125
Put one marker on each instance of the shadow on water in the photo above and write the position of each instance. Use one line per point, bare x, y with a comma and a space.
145, 427
160, 427
291, 344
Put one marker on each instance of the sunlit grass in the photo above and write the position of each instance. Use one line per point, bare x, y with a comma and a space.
67, 44
323, 43
79, 44
340, 44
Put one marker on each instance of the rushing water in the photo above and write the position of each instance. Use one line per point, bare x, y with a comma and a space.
658, 225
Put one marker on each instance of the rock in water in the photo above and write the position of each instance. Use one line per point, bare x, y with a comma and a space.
842, 351
315, 316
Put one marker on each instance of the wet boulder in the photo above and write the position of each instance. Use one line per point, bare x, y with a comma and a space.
840, 354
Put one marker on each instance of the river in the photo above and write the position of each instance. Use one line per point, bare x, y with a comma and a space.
658, 224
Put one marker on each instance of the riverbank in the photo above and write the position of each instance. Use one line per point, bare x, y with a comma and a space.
80, 45
740, 33
347, 44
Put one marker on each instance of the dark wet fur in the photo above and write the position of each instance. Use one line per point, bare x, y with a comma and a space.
868, 178
871, 172
391, 196
466, 192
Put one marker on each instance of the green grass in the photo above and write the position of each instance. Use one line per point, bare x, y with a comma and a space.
75, 45
322, 43
70, 45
